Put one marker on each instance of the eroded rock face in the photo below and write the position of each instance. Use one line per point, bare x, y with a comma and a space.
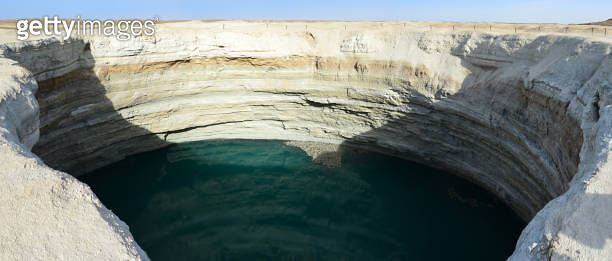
47, 214
527, 117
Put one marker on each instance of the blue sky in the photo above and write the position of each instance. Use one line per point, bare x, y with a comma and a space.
541, 11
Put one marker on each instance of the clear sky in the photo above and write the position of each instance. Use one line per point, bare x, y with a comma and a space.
540, 11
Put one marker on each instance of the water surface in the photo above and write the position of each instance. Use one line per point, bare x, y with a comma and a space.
264, 200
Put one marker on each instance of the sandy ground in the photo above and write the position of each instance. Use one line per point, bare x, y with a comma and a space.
8, 32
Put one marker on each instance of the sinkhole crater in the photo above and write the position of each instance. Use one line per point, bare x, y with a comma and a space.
527, 118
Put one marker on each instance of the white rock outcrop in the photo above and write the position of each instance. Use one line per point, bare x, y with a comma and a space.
47, 214
528, 117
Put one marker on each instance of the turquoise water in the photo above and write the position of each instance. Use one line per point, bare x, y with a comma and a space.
264, 200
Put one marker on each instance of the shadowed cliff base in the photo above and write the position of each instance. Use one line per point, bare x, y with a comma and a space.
75, 113
47, 214
505, 145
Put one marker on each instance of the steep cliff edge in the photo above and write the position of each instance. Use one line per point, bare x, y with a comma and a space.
527, 117
46, 214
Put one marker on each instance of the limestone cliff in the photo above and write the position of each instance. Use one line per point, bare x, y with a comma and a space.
526, 116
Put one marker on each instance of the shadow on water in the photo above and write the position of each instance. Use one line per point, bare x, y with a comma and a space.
251, 200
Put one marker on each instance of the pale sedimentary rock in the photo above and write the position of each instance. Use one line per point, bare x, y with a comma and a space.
527, 117
46, 214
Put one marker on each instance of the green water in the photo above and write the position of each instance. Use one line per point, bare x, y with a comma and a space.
264, 200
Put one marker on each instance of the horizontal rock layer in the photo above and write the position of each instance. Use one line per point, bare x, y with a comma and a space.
526, 117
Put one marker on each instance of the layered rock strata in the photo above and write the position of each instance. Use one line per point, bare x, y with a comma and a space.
46, 214
527, 117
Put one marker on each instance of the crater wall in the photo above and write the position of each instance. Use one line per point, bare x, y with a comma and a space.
525, 116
